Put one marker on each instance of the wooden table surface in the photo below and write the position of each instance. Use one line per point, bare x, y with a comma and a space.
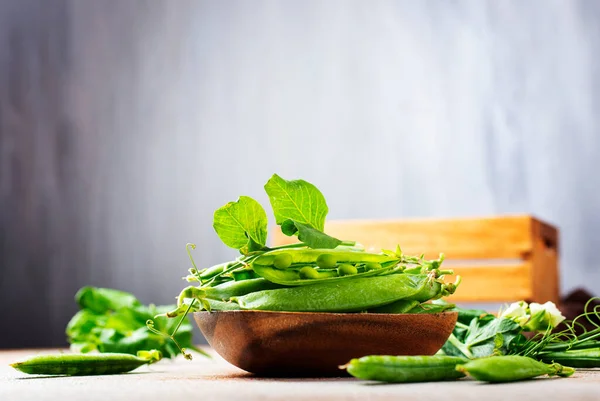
205, 380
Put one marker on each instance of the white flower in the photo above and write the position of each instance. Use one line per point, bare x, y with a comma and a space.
545, 315
517, 312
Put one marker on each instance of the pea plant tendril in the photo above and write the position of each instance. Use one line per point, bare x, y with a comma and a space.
566, 341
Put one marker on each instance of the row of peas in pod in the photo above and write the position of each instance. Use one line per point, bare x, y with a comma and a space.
297, 278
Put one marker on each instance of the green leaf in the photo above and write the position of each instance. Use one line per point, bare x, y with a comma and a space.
486, 334
138, 340
297, 200
242, 224
101, 300
125, 320
83, 323
483, 335
313, 238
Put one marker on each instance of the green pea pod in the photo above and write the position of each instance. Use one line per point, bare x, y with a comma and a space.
585, 358
292, 276
401, 306
356, 294
230, 289
264, 265
465, 316
431, 308
310, 256
216, 306
85, 364
509, 368
431, 290
405, 369
204, 304
213, 270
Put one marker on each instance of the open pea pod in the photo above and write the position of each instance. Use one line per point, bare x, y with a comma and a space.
270, 267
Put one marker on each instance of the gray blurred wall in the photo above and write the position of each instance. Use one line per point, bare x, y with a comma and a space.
124, 124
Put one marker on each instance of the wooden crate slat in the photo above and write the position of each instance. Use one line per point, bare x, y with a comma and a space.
545, 279
493, 283
486, 238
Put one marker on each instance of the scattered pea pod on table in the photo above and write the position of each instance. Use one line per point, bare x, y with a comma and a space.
405, 369
493, 369
508, 368
86, 364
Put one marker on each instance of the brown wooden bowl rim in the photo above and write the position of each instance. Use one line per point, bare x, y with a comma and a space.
327, 313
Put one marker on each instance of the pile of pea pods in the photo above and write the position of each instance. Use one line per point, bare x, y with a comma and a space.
296, 278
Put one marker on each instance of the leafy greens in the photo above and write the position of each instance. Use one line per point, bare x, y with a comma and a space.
115, 321
478, 334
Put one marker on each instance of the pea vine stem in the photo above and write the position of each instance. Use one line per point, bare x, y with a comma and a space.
188, 356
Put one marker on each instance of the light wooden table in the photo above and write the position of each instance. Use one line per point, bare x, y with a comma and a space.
204, 380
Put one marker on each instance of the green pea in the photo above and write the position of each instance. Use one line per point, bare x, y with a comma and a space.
282, 261
405, 369
263, 264
372, 266
346, 269
308, 272
326, 261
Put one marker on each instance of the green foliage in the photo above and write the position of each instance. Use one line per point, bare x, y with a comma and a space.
478, 334
297, 200
100, 300
115, 321
299, 208
242, 224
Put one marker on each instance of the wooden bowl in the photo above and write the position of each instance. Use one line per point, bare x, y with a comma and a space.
315, 344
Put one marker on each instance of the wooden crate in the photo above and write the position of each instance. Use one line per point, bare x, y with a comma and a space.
501, 259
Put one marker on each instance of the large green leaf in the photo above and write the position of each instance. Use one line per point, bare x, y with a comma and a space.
297, 200
313, 238
242, 224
